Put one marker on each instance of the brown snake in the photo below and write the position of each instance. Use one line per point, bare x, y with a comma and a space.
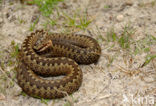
55, 55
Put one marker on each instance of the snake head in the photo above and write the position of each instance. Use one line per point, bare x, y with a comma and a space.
44, 46
41, 43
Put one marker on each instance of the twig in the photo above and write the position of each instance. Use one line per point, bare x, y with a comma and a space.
128, 72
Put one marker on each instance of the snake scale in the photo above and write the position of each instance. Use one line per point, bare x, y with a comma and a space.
54, 55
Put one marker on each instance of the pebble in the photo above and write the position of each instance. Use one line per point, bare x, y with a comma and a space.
120, 18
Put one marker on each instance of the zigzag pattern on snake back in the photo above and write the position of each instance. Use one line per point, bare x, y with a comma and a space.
44, 54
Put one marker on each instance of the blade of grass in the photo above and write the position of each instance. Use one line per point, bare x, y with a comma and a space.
148, 59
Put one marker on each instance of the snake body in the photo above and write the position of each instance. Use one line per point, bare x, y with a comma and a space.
61, 58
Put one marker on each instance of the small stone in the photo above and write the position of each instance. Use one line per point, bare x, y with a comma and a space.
120, 18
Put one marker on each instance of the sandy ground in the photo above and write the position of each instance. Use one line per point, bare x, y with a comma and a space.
122, 83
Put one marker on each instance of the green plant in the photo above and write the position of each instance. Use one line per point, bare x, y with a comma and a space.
45, 101
125, 39
110, 60
107, 6
50, 22
46, 6
84, 22
143, 45
145, 4
23, 93
32, 26
153, 3
67, 104
148, 59
77, 20
15, 50
21, 21
111, 35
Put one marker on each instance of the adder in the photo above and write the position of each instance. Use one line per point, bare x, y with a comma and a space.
44, 54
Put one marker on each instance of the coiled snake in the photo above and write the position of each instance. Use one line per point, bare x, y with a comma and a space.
54, 55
